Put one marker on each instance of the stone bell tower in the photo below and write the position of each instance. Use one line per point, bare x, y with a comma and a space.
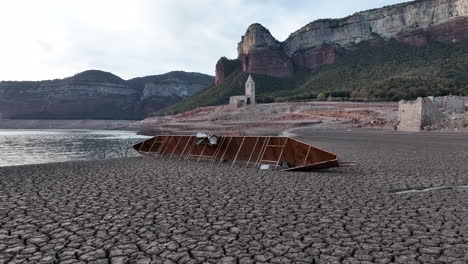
250, 90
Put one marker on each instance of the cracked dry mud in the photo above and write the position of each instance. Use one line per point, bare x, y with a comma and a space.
159, 211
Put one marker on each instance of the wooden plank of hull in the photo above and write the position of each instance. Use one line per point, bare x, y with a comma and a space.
252, 151
317, 166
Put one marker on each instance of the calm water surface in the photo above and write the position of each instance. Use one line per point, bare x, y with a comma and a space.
20, 147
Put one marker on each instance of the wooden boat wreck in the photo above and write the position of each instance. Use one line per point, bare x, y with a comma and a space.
279, 153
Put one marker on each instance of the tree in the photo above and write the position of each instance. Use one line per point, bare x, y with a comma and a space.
321, 96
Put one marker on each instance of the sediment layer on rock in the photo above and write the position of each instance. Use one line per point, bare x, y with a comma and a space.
415, 23
97, 95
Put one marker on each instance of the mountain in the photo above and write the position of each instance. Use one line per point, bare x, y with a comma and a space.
415, 23
97, 94
391, 53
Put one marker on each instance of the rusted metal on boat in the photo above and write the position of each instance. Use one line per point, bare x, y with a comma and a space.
283, 153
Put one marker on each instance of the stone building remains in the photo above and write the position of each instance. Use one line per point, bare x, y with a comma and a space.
248, 98
450, 104
416, 115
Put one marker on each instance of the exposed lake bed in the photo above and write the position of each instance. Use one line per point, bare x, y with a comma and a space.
146, 210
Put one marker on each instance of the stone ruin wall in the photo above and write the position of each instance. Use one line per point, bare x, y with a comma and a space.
430, 113
415, 115
409, 115
455, 104
450, 104
237, 101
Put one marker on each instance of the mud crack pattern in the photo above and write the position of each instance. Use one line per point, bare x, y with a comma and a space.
160, 211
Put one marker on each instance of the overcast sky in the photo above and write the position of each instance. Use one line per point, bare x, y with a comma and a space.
49, 39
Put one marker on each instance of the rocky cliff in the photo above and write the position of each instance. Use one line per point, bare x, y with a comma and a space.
321, 42
224, 67
97, 95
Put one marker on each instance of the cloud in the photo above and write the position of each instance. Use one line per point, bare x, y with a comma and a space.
54, 38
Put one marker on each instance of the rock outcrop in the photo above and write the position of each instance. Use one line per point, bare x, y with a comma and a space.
160, 91
261, 53
267, 62
224, 67
316, 57
386, 23
320, 42
97, 95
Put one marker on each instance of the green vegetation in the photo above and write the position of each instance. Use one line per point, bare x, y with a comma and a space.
321, 96
393, 71
234, 84
95, 76
81, 96
384, 71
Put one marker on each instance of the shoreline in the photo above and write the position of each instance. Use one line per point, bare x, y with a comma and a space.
138, 210
303, 134
39, 146
67, 124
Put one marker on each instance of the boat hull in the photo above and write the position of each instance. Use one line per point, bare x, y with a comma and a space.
282, 153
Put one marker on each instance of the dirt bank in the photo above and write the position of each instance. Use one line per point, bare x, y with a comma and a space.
271, 119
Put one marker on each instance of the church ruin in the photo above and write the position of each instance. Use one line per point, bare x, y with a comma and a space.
248, 98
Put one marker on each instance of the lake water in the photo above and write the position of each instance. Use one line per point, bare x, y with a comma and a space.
20, 147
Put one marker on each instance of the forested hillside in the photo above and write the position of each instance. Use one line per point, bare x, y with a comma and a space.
386, 70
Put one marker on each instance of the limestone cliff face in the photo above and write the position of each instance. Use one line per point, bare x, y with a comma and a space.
177, 84
385, 22
159, 91
261, 53
97, 95
318, 43
257, 38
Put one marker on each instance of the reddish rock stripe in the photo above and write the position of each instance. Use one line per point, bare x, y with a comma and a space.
313, 59
267, 62
455, 30
273, 61
224, 67
449, 32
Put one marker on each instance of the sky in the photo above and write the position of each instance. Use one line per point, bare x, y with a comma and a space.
50, 39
